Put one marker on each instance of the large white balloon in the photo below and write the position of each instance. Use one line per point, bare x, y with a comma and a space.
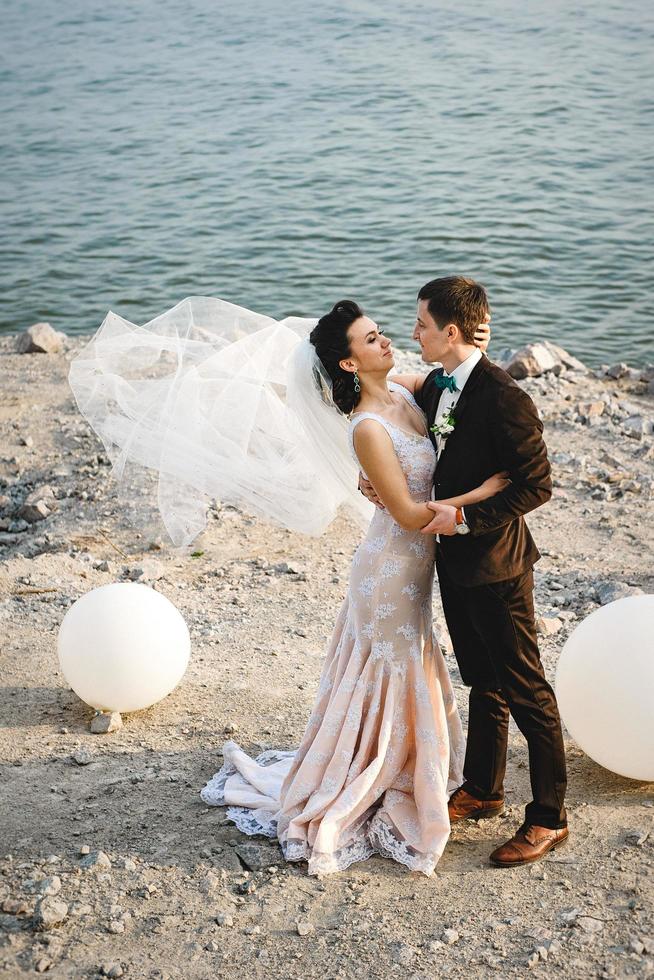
123, 647
605, 686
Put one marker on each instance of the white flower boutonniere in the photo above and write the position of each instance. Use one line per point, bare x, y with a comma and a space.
444, 425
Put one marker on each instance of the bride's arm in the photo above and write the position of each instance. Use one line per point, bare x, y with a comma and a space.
494, 484
376, 455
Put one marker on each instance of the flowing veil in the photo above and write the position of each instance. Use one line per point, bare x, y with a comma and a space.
210, 401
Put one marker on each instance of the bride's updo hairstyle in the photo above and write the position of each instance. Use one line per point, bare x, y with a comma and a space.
329, 337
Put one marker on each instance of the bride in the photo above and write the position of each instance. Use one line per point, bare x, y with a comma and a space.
382, 749
254, 412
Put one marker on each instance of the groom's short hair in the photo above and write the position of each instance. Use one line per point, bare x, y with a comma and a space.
455, 299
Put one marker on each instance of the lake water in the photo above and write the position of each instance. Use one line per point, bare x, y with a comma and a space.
283, 155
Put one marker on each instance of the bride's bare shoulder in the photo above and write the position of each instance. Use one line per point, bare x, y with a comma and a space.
412, 382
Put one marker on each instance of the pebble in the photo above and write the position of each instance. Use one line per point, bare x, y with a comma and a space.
50, 886
112, 970
548, 625
303, 928
224, 919
82, 757
15, 906
116, 926
589, 924
43, 964
96, 861
450, 936
105, 722
49, 912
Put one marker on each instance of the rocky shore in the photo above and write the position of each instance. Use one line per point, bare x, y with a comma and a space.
112, 866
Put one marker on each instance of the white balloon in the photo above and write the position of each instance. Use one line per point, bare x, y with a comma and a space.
123, 647
605, 686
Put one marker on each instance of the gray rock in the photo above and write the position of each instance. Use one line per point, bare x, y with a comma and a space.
636, 426
148, 570
17, 527
636, 838
617, 371
82, 757
224, 919
49, 912
568, 361
40, 338
548, 625
50, 886
105, 722
96, 861
532, 361
38, 505
611, 591
303, 928
258, 857
43, 964
112, 970
589, 410
450, 936
589, 924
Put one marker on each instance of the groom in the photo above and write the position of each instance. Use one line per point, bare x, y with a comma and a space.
484, 560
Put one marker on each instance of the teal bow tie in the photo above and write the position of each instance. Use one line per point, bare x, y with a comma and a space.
441, 381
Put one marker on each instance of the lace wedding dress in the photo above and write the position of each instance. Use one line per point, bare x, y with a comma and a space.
383, 747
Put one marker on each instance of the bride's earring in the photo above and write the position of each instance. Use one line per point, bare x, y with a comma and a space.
357, 383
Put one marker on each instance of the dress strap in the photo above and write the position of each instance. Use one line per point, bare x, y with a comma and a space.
394, 386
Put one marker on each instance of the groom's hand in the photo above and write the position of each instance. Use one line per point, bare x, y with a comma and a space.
444, 520
483, 334
367, 489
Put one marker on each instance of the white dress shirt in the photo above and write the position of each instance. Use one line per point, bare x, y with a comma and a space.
449, 399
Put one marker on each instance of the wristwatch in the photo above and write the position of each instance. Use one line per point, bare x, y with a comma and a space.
460, 522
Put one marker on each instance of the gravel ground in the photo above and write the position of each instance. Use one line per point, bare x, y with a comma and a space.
111, 864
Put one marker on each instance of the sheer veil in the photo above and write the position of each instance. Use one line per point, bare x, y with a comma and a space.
210, 401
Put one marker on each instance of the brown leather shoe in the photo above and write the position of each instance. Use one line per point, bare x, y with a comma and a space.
529, 844
463, 806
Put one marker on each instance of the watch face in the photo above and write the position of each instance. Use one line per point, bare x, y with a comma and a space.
462, 529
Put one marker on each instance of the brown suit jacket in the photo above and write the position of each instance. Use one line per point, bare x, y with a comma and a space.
497, 428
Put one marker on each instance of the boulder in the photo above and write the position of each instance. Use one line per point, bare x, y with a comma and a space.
40, 338
568, 361
532, 361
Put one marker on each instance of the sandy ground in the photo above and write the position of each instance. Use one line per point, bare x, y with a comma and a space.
179, 892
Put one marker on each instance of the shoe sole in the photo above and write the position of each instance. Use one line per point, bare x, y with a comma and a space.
520, 864
479, 815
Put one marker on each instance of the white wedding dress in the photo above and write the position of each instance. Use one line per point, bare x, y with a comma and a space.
383, 747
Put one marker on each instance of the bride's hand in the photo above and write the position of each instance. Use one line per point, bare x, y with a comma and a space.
494, 484
483, 334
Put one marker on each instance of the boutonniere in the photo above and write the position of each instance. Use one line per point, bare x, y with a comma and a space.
445, 424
